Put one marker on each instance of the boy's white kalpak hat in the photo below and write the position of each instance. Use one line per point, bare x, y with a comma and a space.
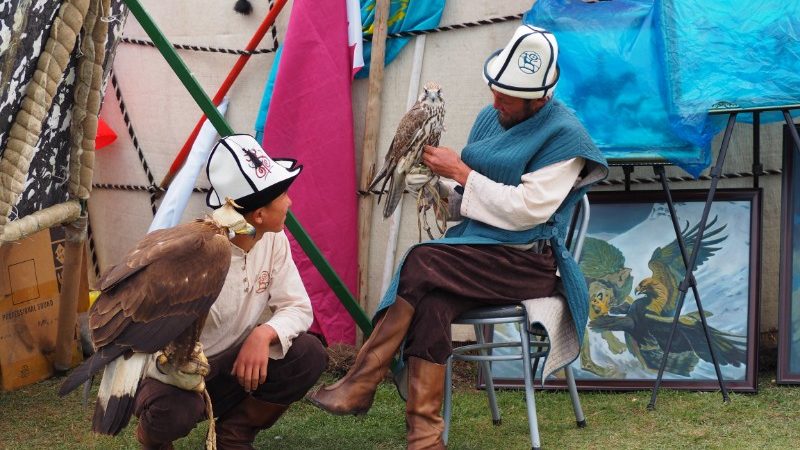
238, 168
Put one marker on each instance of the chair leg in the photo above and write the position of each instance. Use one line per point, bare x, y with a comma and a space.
487, 376
580, 419
448, 399
533, 423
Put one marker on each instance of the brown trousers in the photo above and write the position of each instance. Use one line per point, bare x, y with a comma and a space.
443, 281
167, 413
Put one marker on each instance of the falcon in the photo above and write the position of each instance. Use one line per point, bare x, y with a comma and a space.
156, 299
422, 125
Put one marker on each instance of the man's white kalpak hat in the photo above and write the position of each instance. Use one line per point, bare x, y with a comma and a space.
527, 67
238, 168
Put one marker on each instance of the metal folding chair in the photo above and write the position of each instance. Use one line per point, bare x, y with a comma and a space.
489, 316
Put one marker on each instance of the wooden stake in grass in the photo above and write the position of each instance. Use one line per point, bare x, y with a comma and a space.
373, 119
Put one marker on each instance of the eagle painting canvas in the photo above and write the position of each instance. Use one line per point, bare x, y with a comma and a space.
633, 267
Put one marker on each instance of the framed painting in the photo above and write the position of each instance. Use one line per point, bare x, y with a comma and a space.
789, 299
633, 266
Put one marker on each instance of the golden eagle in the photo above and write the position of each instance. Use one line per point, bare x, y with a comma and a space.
647, 321
647, 333
157, 298
668, 268
422, 125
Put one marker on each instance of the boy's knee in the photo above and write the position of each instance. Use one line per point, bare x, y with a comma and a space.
165, 412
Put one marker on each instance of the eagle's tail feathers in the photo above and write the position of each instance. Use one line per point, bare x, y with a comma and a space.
116, 394
89, 367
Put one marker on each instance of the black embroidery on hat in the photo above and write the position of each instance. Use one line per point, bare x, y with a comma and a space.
254, 159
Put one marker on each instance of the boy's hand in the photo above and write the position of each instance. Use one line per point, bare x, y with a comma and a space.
250, 367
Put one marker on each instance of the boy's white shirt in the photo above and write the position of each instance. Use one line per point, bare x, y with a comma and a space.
262, 286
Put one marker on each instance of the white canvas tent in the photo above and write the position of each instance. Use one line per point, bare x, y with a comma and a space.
146, 103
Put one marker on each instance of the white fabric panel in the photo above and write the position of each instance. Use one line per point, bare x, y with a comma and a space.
164, 114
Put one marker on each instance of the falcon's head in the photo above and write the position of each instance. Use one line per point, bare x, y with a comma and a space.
431, 93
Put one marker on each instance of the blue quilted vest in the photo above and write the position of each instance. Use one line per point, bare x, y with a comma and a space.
550, 136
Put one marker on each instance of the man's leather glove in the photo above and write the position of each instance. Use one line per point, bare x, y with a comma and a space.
189, 376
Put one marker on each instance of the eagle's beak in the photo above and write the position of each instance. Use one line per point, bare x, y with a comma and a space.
247, 229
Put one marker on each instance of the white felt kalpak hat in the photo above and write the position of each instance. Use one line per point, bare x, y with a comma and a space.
527, 67
238, 168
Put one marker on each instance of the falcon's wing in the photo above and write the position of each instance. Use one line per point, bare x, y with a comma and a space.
410, 125
171, 280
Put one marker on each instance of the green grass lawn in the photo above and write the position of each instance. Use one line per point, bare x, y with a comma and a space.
36, 418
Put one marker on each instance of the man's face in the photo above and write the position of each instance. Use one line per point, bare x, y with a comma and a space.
513, 110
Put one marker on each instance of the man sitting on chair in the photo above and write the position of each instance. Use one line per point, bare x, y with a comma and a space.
528, 161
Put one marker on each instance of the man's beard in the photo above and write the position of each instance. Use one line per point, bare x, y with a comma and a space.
508, 122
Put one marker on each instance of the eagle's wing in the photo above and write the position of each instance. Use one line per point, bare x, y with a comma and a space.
670, 255
141, 255
667, 264
178, 276
155, 294
730, 348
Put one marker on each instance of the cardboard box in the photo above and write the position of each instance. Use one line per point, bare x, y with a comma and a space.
30, 279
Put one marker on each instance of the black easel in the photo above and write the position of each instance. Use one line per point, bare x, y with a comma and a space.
691, 260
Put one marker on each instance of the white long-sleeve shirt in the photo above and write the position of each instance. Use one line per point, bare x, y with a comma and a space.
519, 207
261, 284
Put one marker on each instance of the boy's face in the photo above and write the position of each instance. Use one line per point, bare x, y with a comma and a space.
271, 218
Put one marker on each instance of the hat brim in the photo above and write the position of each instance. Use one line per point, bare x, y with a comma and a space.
261, 198
491, 69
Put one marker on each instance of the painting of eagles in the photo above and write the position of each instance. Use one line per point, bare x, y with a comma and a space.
633, 267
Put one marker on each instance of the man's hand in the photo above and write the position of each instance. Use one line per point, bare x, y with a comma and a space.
250, 367
445, 162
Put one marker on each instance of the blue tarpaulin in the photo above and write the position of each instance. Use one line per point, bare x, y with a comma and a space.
642, 74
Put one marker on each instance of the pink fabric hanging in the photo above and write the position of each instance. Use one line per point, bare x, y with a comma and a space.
310, 118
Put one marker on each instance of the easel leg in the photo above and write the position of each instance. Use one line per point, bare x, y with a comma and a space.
792, 129
690, 264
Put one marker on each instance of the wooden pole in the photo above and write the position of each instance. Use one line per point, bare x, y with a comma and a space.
74, 239
373, 120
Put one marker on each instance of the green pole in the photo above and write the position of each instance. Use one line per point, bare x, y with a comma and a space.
204, 102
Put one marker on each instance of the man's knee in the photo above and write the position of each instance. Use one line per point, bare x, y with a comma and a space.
165, 412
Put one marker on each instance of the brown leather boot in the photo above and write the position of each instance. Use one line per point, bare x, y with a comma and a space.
353, 394
147, 443
237, 429
424, 423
